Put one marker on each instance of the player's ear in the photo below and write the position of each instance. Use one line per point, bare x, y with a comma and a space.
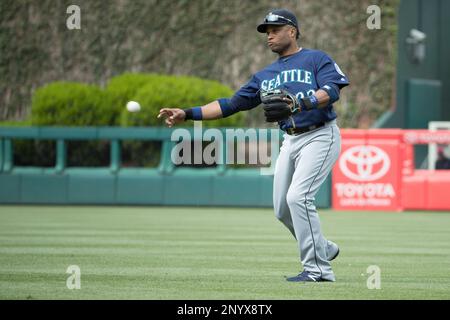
293, 33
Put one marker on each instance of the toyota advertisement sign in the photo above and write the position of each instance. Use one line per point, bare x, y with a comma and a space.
364, 163
367, 173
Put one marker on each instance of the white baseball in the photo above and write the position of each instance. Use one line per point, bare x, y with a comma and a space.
133, 106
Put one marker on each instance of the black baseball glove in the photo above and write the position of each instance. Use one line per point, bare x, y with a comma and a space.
278, 104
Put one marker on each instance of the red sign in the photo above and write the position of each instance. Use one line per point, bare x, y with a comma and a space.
426, 136
367, 173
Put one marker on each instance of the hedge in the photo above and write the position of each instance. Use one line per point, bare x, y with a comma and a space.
71, 104
77, 104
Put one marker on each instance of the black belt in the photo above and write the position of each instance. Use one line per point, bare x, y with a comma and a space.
297, 131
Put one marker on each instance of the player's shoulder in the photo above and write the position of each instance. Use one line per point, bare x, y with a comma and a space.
315, 54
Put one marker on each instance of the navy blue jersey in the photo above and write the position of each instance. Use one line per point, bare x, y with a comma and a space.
302, 74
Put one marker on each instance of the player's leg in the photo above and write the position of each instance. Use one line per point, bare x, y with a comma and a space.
284, 169
316, 155
332, 250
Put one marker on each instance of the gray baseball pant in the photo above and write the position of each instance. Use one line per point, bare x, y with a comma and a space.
303, 164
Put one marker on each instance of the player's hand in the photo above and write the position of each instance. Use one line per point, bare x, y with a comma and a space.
172, 116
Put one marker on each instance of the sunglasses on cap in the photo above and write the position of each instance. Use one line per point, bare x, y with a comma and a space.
277, 18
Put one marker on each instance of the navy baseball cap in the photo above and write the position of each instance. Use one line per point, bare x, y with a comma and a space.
278, 17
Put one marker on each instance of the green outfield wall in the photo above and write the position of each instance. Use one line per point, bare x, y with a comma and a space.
165, 184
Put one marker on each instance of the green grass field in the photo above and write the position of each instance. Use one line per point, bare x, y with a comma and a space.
214, 253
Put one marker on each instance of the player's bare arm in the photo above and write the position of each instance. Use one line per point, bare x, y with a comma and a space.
323, 98
174, 116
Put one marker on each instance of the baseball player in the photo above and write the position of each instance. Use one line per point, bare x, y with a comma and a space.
297, 91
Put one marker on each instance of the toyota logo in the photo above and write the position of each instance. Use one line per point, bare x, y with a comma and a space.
364, 163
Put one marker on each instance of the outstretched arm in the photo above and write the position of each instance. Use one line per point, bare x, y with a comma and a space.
174, 116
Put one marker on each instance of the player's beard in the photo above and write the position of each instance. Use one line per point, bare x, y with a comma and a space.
279, 48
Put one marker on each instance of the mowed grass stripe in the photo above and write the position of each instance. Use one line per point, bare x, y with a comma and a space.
214, 253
